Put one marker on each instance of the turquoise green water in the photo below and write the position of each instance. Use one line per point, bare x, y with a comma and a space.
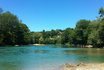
50, 57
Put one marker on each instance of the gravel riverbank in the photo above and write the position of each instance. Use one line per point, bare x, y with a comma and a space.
82, 66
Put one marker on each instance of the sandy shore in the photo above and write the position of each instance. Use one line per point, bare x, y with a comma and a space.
39, 44
82, 66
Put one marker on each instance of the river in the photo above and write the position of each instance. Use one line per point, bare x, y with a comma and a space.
49, 57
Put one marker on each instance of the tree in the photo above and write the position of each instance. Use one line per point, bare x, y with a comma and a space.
81, 32
96, 34
58, 39
44, 34
37, 36
1, 11
101, 33
101, 12
23, 34
93, 38
41, 40
12, 30
67, 36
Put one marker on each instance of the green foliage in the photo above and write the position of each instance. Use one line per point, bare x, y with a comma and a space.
1, 11
12, 31
47, 37
37, 37
81, 32
101, 33
85, 33
101, 12
82, 24
93, 38
67, 36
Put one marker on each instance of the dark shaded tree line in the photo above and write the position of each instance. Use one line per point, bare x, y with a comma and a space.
12, 30
86, 32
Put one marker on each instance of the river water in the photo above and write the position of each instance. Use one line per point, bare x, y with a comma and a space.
50, 57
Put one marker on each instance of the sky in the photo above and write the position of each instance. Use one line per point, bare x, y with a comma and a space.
41, 15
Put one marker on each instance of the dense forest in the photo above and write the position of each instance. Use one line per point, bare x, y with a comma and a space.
86, 32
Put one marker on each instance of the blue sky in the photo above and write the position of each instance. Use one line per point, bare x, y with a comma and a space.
52, 14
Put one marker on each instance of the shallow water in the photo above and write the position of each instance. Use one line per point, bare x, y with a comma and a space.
50, 57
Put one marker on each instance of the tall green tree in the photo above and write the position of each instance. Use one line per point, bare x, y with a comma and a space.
81, 32
12, 30
67, 36
101, 33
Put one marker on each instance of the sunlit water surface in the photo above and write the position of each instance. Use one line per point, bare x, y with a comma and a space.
50, 57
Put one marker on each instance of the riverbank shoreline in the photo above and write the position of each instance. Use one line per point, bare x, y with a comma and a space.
23, 45
39, 44
83, 66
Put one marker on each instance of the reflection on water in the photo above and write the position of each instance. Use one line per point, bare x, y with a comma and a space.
49, 57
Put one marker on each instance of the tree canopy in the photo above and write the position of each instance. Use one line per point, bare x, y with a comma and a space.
86, 32
12, 30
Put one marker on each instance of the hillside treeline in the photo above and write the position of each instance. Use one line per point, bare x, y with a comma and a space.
86, 32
